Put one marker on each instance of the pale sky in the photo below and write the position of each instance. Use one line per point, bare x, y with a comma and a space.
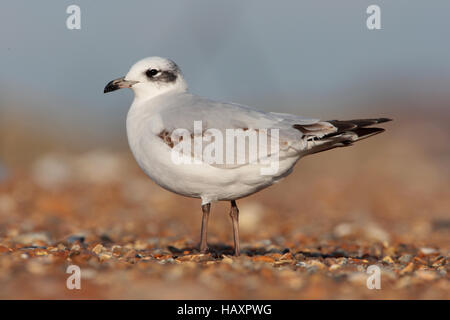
232, 50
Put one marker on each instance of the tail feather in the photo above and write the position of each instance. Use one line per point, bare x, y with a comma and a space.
351, 125
347, 133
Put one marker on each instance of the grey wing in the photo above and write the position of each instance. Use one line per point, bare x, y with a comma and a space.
190, 112
222, 116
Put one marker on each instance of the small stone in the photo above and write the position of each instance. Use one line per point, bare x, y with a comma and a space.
405, 259
316, 263
283, 262
409, 268
131, 255
358, 261
286, 256
440, 261
75, 248
263, 259
167, 256
117, 250
428, 251
169, 260
140, 245
98, 249
420, 261
226, 259
32, 238
196, 257
105, 256
388, 259
299, 256
334, 267
40, 252
276, 256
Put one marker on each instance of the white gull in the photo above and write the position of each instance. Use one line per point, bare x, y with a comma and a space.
162, 106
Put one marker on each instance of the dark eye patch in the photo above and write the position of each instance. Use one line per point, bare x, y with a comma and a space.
151, 72
168, 76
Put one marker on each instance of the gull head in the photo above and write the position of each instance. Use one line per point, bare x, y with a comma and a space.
150, 77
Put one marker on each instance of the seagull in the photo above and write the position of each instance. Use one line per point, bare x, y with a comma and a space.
163, 105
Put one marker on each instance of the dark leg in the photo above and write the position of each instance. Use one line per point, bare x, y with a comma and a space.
234, 214
203, 242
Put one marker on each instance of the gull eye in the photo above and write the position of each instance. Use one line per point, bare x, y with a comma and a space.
151, 72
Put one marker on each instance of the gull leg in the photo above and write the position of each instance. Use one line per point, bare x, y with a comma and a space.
234, 214
203, 241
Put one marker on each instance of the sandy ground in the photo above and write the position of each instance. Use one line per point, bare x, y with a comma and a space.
383, 202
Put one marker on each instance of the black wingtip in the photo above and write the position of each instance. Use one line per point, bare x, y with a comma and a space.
381, 120
364, 133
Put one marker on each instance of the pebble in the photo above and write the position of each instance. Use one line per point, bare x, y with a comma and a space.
428, 251
196, 257
75, 248
419, 261
388, 259
98, 249
263, 259
105, 256
317, 264
287, 256
405, 259
33, 238
283, 262
140, 245
334, 267
137, 254
408, 269
227, 259
440, 261
40, 252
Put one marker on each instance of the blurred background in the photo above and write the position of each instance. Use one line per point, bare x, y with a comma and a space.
66, 170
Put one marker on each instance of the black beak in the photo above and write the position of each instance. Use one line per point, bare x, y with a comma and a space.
118, 84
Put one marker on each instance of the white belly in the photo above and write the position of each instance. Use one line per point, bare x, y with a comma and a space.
210, 183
